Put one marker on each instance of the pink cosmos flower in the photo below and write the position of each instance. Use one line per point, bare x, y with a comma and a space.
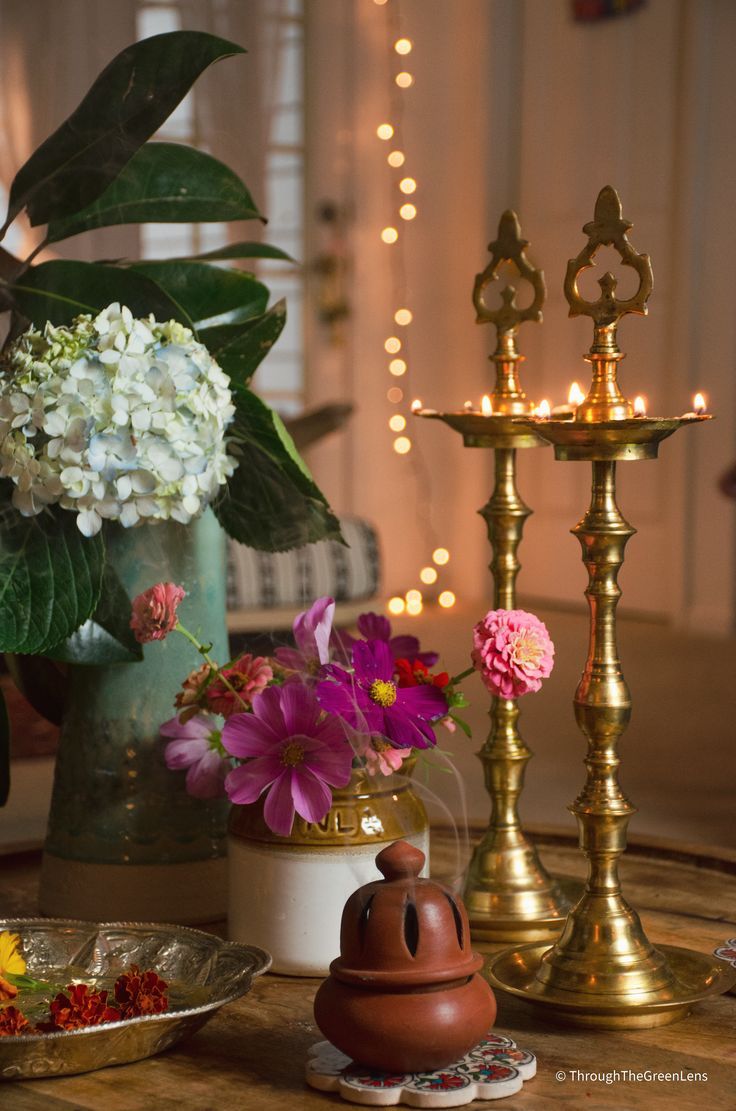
292, 750
312, 630
379, 755
154, 612
246, 678
195, 744
512, 651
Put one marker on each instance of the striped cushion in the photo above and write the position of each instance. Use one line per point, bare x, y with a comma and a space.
268, 580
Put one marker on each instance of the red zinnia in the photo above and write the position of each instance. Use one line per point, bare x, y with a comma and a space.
140, 993
79, 1007
13, 1021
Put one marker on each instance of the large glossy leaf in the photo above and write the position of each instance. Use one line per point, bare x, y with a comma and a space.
240, 250
50, 578
208, 294
106, 638
239, 348
59, 290
163, 183
127, 103
270, 502
4, 751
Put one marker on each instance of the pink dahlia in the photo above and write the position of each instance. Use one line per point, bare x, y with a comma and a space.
292, 751
195, 745
154, 612
235, 687
512, 651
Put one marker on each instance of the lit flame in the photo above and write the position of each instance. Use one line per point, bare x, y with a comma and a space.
416, 405
640, 406
576, 396
699, 405
468, 406
543, 410
485, 405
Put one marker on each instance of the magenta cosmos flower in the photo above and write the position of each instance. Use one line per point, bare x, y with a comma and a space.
512, 651
292, 751
372, 702
373, 626
154, 612
312, 630
195, 745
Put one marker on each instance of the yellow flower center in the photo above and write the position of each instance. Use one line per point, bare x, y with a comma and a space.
383, 692
292, 754
379, 745
527, 648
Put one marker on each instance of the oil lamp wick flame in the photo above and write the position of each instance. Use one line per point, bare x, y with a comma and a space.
485, 405
640, 406
575, 396
699, 405
543, 410
416, 405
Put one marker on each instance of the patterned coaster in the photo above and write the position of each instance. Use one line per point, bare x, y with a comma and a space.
493, 1069
727, 952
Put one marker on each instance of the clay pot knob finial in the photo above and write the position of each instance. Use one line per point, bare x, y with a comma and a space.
400, 861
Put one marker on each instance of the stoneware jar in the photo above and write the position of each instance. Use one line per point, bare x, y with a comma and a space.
405, 994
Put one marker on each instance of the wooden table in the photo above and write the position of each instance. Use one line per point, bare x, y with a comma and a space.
250, 1057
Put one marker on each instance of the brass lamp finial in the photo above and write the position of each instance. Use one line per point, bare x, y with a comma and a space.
605, 400
508, 396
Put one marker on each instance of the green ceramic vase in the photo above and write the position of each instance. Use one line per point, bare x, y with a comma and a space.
125, 841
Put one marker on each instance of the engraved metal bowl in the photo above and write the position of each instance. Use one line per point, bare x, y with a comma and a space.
203, 973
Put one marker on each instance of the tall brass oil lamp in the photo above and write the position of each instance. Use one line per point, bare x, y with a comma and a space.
603, 971
509, 895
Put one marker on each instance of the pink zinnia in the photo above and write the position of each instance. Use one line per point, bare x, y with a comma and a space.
245, 679
512, 651
292, 751
154, 612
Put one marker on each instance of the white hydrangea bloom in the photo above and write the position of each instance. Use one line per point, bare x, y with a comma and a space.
114, 418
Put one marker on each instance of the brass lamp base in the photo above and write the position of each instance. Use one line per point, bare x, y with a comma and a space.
503, 912
693, 977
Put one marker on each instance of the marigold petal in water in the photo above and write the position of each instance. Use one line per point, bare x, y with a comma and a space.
513, 652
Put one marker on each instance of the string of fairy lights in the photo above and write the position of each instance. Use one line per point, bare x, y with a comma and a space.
404, 210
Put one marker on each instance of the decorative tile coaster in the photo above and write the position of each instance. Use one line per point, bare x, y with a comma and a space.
727, 952
493, 1069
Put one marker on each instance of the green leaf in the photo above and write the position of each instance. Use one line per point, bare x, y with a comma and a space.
270, 502
60, 290
50, 578
240, 250
208, 294
463, 725
127, 103
4, 751
239, 348
106, 637
164, 183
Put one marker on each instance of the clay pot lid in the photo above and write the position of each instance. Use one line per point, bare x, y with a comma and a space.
404, 930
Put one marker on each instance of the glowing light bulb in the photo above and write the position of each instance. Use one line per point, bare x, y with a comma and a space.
640, 406
396, 158
396, 605
699, 403
428, 575
543, 410
384, 131
404, 80
408, 211
395, 395
407, 185
414, 608
447, 599
413, 595
397, 423
402, 445
485, 405
441, 556
389, 235
416, 405
392, 345
403, 46
403, 316
397, 367
575, 395
380, 3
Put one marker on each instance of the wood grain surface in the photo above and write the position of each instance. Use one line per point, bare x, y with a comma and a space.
250, 1056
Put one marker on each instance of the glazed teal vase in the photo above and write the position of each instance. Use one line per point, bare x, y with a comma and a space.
125, 841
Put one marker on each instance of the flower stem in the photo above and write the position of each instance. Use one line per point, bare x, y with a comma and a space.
463, 675
204, 651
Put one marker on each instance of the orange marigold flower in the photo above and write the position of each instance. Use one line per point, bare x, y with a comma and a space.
12, 1022
7, 990
79, 1007
141, 993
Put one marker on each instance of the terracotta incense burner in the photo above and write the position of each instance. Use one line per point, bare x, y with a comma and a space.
404, 995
